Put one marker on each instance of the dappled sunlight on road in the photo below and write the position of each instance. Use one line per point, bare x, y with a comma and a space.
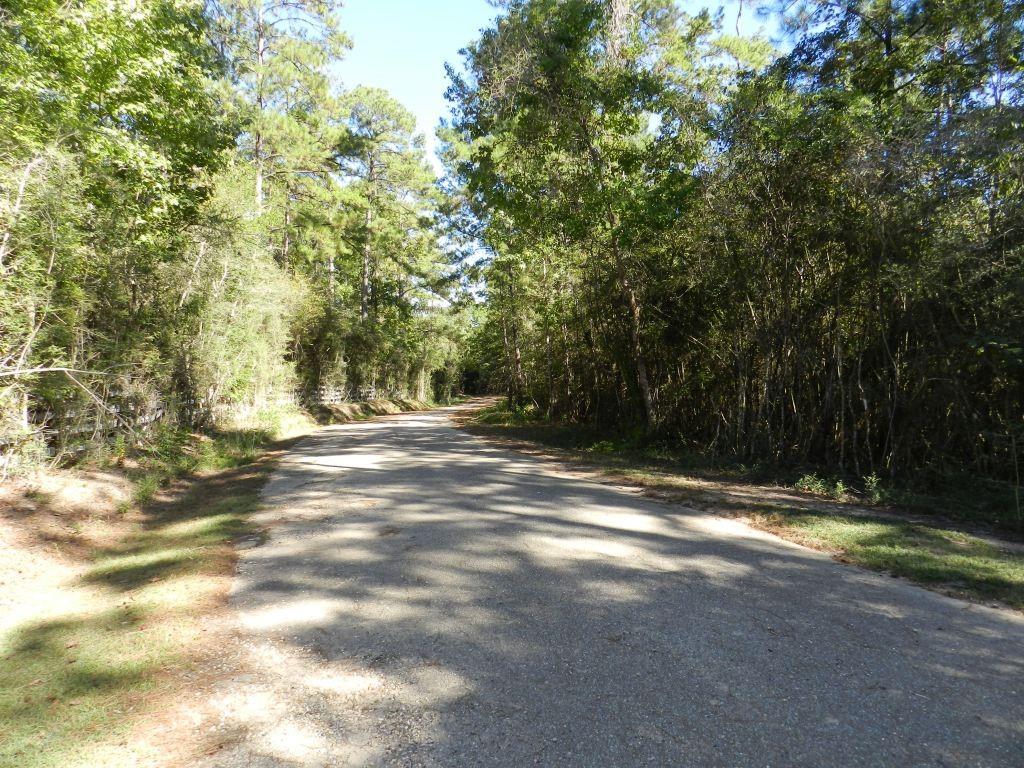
349, 460
295, 614
625, 521
427, 598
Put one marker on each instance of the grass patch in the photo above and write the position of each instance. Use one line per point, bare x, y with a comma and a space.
952, 561
833, 489
79, 680
962, 497
949, 497
506, 415
75, 683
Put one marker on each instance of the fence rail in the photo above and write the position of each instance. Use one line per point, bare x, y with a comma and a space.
74, 431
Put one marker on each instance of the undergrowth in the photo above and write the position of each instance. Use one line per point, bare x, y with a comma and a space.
946, 494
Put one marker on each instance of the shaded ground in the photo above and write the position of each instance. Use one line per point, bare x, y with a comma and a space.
109, 610
951, 556
426, 598
113, 577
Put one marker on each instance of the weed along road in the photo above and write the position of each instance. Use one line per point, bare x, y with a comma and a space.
426, 598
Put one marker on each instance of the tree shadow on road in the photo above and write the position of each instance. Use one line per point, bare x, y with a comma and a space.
508, 615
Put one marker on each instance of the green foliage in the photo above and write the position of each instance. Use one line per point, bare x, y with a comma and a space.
183, 213
803, 260
377, 318
507, 414
811, 483
873, 488
812, 259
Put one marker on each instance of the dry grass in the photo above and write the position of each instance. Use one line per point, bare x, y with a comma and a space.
343, 413
112, 585
116, 611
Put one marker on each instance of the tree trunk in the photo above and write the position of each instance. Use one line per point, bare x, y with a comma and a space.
548, 353
619, 12
19, 199
286, 241
364, 276
625, 287
258, 162
421, 385
636, 347
257, 150
330, 275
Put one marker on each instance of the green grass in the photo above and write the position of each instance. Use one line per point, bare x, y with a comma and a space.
962, 497
505, 415
951, 561
75, 683
70, 681
950, 495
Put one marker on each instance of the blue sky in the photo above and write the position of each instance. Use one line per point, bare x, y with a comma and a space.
402, 46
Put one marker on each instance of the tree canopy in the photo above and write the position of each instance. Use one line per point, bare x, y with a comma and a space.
797, 253
811, 256
194, 214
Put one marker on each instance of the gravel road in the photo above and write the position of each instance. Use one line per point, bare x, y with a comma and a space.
427, 599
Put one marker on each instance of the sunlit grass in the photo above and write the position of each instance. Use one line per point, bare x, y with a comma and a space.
71, 681
948, 559
947, 493
341, 413
74, 685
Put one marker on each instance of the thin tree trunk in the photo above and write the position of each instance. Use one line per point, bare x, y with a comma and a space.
421, 385
286, 243
261, 53
618, 17
549, 362
330, 275
634, 335
625, 287
19, 199
200, 252
364, 276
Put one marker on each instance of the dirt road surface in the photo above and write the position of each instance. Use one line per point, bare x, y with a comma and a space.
424, 598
